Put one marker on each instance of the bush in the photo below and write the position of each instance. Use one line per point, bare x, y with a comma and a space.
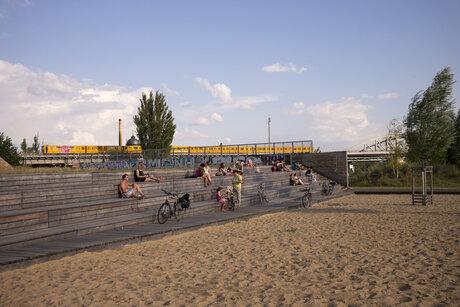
8, 151
372, 174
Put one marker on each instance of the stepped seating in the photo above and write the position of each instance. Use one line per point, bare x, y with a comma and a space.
79, 208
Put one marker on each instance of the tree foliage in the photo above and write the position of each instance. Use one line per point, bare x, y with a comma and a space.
24, 146
453, 153
395, 129
8, 151
430, 121
36, 144
155, 123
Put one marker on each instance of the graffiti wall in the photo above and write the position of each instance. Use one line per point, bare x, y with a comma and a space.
170, 162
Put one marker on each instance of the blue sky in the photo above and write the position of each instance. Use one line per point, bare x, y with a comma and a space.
335, 72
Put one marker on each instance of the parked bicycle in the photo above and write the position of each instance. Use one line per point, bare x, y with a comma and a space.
263, 197
306, 198
327, 187
178, 208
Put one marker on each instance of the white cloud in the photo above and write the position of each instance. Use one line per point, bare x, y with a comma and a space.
218, 90
228, 140
64, 111
186, 104
388, 96
217, 117
248, 102
277, 67
366, 96
170, 91
188, 134
201, 121
299, 108
341, 123
27, 2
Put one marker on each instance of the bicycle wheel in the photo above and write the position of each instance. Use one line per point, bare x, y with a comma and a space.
306, 201
261, 198
164, 213
179, 214
265, 197
231, 205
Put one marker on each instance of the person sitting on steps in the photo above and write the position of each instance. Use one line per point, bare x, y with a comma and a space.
206, 173
129, 190
294, 180
139, 175
309, 174
222, 170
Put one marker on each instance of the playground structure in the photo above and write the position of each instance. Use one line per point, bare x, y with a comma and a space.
426, 195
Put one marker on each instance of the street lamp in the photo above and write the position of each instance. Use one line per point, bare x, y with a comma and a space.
269, 121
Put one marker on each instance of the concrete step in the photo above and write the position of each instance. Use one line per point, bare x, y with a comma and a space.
51, 215
58, 230
68, 194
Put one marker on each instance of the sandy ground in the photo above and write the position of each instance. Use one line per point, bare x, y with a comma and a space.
368, 250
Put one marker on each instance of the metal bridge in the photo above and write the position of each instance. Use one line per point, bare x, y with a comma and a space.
376, 149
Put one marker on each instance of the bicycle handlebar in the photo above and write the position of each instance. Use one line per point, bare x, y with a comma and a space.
176, 194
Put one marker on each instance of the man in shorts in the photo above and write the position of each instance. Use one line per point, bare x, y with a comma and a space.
237, 181
129, 190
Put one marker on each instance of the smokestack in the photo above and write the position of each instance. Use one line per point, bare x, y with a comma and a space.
119, 133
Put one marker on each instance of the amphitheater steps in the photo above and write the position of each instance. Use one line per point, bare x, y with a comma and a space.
94, 220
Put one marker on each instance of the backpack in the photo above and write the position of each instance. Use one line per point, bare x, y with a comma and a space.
185, 201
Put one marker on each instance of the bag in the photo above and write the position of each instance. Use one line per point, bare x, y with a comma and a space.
185, 201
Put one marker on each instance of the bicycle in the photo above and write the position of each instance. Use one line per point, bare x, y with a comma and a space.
327, 187
306, 198
229, 205
178, 209
263, 198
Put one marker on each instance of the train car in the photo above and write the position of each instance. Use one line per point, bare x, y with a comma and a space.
133, 149
80, 149
63, 149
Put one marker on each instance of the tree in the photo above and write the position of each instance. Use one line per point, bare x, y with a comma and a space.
24, 146
395, 130
430, 121
453, 153
36, 144
155, 123
8, 151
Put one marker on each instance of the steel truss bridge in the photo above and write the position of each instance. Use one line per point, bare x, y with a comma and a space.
376, 149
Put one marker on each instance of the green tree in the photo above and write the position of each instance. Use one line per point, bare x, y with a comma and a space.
430, 121
453, 153
8, 151
24, 146
155, 123
36, 144
395, 132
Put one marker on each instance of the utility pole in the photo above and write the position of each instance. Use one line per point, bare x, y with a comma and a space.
269, 121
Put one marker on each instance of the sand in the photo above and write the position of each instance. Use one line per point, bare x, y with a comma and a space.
364, 250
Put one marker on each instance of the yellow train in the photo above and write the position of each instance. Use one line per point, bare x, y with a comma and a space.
82, 149
178, 150
244, 150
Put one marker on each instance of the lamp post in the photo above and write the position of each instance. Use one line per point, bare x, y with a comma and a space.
269, 121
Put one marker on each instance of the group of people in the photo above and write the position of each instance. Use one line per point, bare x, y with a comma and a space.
133, 190
280, 166
129, 190
235, 188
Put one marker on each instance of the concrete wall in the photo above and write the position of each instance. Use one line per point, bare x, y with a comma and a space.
332, 165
